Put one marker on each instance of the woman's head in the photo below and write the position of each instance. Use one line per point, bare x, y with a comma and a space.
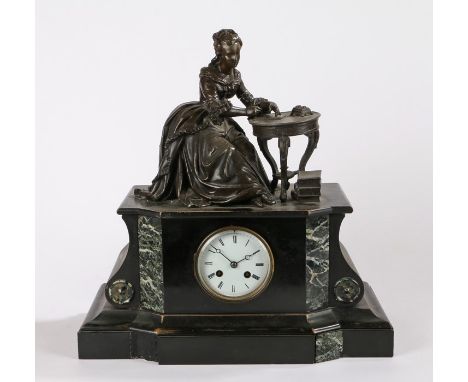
227, 45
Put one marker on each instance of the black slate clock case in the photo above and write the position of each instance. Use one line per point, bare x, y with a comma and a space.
316, 307
286, 291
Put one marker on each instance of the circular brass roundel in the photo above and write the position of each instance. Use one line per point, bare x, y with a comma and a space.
347, 290
234, 264
120, 292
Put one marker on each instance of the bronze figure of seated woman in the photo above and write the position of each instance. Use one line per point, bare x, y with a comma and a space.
205, 157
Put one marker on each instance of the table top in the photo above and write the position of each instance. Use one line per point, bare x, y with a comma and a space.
271, 126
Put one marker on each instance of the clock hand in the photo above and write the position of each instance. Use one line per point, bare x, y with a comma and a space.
221, 253
247, 257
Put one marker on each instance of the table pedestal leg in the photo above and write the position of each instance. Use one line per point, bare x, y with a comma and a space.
283, 145
263, 144
311, 145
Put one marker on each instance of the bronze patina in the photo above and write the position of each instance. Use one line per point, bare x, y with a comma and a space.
205, 156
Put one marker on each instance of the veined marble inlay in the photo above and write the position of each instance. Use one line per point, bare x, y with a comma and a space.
328, 346
317, 262
151, 266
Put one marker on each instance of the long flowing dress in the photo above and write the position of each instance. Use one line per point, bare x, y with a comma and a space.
206, 158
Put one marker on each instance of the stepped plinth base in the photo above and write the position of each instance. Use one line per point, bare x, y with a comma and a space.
360, 331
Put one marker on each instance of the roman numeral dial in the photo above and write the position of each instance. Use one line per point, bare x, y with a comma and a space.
234, 264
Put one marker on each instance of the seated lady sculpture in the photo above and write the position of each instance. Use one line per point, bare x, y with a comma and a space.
205, 157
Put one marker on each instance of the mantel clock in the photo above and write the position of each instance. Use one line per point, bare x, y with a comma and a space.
225, 264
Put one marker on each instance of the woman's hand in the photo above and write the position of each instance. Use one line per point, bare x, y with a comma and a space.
268, 106
273, 107
253, 111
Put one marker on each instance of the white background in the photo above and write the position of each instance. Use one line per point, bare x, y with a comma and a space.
110, 72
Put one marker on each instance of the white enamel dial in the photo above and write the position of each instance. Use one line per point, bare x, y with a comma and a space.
234, 264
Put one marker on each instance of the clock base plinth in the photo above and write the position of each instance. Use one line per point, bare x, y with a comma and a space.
314, 308
359, 331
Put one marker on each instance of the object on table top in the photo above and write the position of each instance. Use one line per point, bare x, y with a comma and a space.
301, 111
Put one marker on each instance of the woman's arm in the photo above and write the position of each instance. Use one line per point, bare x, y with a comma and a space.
249, 111
249, 100
217, 107
211, 102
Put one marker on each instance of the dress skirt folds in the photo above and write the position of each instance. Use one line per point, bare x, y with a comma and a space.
203, 163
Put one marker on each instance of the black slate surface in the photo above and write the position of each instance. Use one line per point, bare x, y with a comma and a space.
332, 200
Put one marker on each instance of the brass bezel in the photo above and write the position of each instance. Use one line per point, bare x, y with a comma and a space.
248, 296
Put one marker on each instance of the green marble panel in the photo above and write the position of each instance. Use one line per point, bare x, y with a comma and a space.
317, 262
151, 264
328, 346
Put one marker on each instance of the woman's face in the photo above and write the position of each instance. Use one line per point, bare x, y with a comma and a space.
229, 54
